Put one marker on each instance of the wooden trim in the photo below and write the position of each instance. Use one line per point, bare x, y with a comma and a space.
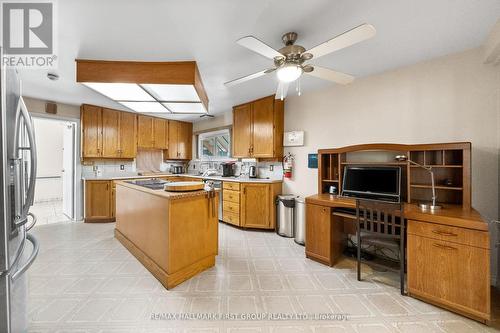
220, 128
397, 147
140, 72
464, 311
95, 220
255, 100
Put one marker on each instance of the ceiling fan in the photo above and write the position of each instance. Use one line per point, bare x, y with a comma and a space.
289, 61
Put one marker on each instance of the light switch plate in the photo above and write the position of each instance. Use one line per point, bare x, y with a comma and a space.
293, 139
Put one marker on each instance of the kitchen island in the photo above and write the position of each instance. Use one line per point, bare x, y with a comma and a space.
173, 234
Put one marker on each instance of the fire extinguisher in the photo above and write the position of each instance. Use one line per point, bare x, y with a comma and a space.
288, 165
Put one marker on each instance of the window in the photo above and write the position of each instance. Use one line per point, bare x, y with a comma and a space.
214, 145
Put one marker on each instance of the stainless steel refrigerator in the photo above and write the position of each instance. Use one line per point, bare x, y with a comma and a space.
18, 248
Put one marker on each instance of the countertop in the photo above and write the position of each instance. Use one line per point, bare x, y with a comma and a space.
162, 193
227, 179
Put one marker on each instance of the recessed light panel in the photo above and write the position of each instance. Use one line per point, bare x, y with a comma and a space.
173, 92
186, 107
145, 107
120, 91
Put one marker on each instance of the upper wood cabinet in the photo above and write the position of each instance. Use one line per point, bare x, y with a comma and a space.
180, 140
91, 122
108, 133
128, 135
145, 132
258, 129
160, 133
153, 132
242, 130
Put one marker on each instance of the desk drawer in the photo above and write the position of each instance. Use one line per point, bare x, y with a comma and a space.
231, 186
231, 196
231, 218
448, 233
232, 207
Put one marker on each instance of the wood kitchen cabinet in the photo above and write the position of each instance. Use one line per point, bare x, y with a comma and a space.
91, 122
160, 133
255, 207
153, 132
180, 138
442, 260
145, 132
98, 201
242, 130
128, 135
258, 129
250, 205
108, 133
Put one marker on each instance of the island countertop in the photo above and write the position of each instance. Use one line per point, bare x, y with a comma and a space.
162, 193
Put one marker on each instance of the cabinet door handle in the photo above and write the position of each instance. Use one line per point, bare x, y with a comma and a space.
444, 233
444, 247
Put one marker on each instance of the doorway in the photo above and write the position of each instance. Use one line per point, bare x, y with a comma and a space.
55, 194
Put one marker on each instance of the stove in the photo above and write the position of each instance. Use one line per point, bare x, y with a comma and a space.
153, 184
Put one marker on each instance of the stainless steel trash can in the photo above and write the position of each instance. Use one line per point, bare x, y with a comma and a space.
299, 220
284, 213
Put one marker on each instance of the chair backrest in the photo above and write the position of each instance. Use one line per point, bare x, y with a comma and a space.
380, 217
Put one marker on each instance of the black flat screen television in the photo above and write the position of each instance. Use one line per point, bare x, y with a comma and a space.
372, 182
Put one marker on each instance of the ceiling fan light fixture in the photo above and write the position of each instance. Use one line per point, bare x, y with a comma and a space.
289, 73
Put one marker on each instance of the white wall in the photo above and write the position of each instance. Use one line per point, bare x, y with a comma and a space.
452, 98
49, 141
36, 107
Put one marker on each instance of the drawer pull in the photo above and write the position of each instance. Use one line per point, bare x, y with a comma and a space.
444, 247
444, 233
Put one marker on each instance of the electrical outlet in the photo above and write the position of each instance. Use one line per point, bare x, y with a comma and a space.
94, 168
271, 167
122, 167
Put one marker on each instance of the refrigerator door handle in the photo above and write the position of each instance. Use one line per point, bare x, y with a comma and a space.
33, 222
31, 259
30, 192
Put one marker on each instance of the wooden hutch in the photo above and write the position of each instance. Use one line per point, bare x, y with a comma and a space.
448, 251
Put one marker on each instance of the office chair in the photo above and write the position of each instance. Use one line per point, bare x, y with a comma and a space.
381, 223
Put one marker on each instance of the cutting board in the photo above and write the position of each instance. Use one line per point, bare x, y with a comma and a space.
184, 186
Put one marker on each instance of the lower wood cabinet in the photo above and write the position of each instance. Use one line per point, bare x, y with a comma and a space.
99, 201
250, 205
256, 205
450, 267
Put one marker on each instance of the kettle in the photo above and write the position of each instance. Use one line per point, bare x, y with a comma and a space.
252, 172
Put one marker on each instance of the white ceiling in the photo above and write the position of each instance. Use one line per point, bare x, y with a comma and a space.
408, 31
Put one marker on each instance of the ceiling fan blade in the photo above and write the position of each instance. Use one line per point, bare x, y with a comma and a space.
331, 75
248, 77
257, 46
282, 90
348, 38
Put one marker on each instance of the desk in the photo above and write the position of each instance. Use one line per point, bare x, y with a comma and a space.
448, 251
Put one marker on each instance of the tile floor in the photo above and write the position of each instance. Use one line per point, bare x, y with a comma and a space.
85, 281
48, 212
